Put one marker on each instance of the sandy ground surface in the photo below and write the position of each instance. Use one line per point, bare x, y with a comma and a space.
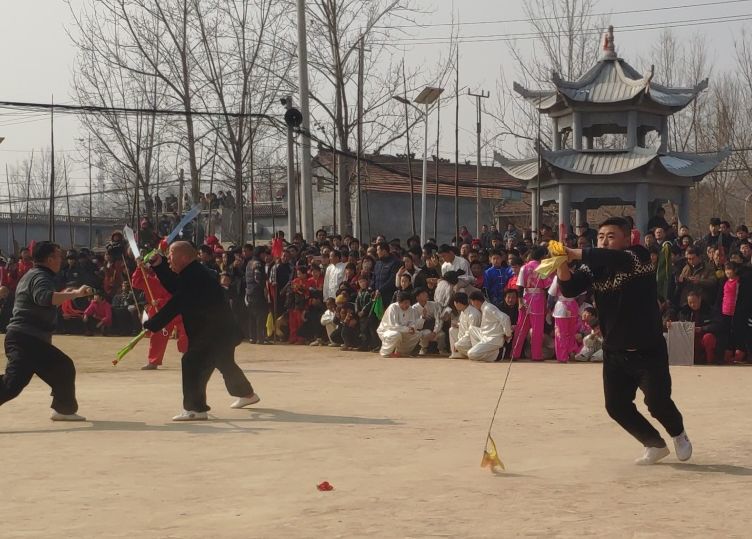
400, 439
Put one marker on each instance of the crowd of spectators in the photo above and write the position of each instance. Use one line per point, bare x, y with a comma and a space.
404, 298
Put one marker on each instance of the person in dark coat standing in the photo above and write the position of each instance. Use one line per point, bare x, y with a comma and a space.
212, 331
28, 341
257, 302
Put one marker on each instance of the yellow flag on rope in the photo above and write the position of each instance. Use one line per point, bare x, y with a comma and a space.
491, 456
558, 257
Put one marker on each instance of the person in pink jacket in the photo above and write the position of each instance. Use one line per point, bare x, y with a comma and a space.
533, 310
98, 315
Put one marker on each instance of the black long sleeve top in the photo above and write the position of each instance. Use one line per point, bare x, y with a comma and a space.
197, 296
626, 296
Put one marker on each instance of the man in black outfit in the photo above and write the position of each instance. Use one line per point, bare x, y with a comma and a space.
624, 286
28, 341
212, 331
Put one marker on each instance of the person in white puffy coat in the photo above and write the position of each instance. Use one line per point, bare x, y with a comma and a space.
400, 327
495, 329
459, 337
430, 312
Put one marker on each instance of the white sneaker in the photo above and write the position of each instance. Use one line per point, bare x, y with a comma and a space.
423, 352
188, 415
683, 446
456, 356
652, 455
242, 402
57, 416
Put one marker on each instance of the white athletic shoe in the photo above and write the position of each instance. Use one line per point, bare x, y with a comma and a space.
242, 402
456, 356
683, 446
57, 416
188, 415
423, 352
652, 455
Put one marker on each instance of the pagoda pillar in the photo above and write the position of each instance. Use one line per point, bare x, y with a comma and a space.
555, 135
565, 207
577, 130
580, 216
632, 129
684, 207
664, 135
642, 207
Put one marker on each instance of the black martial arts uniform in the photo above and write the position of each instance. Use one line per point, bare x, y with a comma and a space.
634, 350
211, 328
28, 344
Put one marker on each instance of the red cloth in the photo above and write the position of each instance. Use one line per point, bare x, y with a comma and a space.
100, 310
69, 311
23, 267
158, 340
278, 247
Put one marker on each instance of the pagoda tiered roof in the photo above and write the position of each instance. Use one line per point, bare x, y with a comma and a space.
613, 162
611, 80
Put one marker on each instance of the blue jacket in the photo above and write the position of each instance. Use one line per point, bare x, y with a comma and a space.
494, 281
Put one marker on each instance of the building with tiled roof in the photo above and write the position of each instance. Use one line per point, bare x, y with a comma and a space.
385, 194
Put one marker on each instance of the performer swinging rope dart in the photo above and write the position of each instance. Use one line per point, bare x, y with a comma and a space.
212, 331
28, 341
623, 282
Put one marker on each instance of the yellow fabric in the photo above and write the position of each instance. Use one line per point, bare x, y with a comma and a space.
550, 265
269, 325
491, 456
556, 248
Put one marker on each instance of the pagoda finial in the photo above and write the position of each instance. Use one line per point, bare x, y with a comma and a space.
609, 51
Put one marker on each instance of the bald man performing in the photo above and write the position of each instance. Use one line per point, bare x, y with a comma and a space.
212, 331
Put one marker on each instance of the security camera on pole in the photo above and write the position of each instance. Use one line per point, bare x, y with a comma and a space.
293, 119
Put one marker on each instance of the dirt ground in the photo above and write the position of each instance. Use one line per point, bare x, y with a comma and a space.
400, 440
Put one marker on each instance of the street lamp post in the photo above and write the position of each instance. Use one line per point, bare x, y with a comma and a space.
427, 97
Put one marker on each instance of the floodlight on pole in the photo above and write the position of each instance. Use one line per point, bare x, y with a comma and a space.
427, 97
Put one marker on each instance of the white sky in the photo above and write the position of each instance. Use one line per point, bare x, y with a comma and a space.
36, 61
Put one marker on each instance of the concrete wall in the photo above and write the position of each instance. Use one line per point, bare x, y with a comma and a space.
39, 231
390, 214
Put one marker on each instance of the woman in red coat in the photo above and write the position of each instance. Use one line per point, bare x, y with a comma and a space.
158, 340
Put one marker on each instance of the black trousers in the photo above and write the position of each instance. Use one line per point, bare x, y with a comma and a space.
28, 356
623, 373
198, 364
257, 323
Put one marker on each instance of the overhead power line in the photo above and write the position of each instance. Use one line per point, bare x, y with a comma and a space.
562, 17
594, 31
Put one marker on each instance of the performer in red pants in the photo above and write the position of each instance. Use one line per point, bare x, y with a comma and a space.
158, 340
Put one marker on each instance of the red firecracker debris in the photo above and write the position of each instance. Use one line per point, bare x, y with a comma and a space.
325, 486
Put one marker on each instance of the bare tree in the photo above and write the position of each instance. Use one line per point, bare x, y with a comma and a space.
247, 64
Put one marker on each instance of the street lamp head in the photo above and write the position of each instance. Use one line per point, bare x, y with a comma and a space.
401, 99
2, 139
428, 95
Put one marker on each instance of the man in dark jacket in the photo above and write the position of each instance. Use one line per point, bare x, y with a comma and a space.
624, 286
212, 331
384, 272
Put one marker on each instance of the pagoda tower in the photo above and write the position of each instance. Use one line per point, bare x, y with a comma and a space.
611, 100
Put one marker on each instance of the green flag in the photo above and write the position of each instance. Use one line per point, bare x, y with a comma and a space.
378, 308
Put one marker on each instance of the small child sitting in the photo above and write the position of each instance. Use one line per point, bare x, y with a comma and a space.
592, 346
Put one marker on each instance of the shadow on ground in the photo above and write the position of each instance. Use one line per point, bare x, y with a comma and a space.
728, 469
214, 425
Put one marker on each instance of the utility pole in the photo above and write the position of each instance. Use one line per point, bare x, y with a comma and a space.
436, 194
457, 147
28, 195
181, 180
479, 116
305, 157
10, 207
358, 227
91, 212
292, 195
51, 231
409, 156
